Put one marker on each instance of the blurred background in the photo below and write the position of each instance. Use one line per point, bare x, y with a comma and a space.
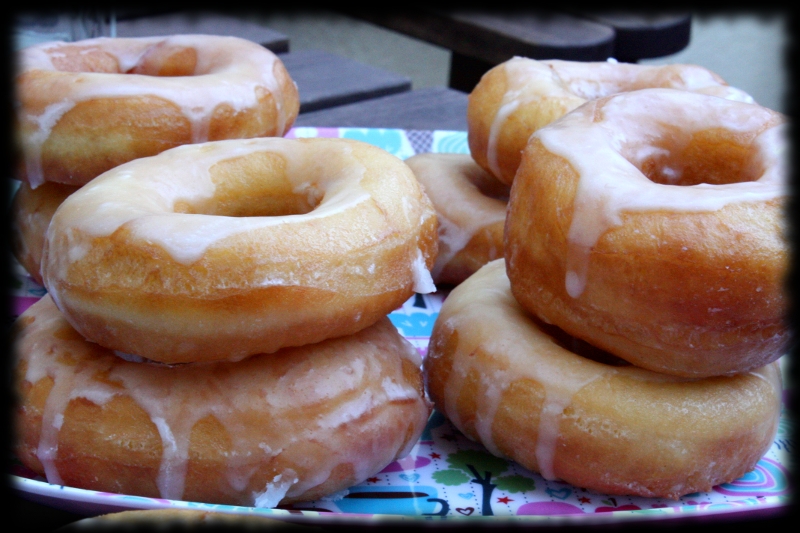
746, 48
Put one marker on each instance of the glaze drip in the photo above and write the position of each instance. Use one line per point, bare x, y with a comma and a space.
488, 293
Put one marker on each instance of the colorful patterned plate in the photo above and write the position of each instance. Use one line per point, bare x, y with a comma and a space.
446, 476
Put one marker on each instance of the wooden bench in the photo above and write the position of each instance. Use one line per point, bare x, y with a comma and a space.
480, 40
201, 23
327, 80
432, 108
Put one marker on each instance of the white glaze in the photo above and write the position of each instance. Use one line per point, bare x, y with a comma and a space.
275, 491
44, 124
423, 282
525, 79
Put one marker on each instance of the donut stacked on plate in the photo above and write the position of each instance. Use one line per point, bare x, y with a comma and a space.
88, 106
628, 341
215, 326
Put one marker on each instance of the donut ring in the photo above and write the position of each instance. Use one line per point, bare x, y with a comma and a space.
471, 209
31, 211
88, 106
662, 240
518, 97
243, 247
522, 392
276, 428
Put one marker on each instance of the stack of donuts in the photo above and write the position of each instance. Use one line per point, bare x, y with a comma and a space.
86, 107
627, 342
215, 325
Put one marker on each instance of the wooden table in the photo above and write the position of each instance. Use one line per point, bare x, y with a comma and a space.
326, 80
433, 108
139, 25
480, 40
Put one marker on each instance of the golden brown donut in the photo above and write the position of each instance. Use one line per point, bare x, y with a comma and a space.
662, 237
295, 425
519, 388
517, 97
87, 106
230, 248
31, 211
471, 209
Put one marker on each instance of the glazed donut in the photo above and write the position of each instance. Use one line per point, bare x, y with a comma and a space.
295, 425
31, 211
470, 206
231, 248
87, 106
662, 237
517, 97
516, 386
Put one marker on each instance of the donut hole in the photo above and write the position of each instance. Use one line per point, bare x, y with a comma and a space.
577, 346
487, 184
74, 58
162, 60
167, 61
713, 156
254, 185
